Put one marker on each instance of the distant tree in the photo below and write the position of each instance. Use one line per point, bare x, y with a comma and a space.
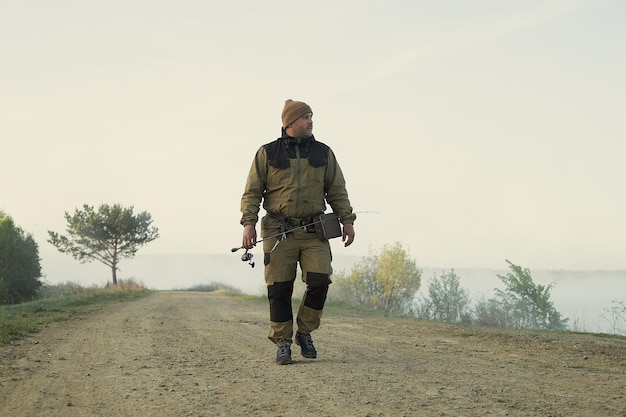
446, 300
107, 235
386, 281
522, 304
20, 271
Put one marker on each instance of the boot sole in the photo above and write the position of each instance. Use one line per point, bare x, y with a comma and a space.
284, 361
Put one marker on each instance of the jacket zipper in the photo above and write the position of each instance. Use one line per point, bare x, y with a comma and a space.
297, 178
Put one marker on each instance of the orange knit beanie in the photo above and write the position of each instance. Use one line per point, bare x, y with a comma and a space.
293, 110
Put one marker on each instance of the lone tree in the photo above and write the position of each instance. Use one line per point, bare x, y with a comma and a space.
107, 235
20, 271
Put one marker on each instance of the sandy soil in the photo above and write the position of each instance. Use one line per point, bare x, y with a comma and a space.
201, 354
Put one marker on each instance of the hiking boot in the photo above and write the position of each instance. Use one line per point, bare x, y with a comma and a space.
306, 345
283, 356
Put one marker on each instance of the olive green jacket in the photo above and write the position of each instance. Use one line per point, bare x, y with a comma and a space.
295, 178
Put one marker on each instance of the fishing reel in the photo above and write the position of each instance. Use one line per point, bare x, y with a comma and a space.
245, 257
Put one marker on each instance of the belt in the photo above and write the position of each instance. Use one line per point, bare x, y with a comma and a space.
292, 221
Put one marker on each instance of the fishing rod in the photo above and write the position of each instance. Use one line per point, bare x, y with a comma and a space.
334, 229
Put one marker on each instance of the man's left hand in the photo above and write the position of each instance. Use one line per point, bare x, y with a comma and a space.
348, 234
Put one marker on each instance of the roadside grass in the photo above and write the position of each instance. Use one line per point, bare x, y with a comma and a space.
63, 302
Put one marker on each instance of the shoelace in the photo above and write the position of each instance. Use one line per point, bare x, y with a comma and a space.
306, 339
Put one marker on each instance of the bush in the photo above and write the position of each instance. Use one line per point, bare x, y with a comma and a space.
446, 300
386, 281
20, 271
522, 304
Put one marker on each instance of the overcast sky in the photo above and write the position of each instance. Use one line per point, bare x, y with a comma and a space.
480, 130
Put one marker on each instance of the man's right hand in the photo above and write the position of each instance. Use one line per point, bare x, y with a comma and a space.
249, 236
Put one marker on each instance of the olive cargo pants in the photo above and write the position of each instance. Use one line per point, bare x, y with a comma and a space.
315, 258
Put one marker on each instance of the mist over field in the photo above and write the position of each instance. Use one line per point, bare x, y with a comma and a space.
582, 296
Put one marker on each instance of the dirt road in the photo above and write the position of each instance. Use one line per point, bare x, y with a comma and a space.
206, 354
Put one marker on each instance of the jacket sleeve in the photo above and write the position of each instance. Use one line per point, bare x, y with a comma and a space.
255, 187
336, 193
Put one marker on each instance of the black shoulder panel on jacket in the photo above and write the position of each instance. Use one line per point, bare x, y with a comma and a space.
318, 154
282, 150
276, 154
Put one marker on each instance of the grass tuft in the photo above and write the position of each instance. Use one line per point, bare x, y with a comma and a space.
63, 302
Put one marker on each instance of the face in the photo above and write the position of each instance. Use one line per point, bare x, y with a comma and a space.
303, 127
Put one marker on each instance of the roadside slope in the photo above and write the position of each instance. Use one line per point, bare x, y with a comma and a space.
204, 354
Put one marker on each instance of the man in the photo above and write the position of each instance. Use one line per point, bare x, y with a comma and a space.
295, 176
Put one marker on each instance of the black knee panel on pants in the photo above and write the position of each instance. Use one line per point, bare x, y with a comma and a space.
317, 289
279, 296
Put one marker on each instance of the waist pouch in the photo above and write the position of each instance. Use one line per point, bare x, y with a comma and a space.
327, 226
